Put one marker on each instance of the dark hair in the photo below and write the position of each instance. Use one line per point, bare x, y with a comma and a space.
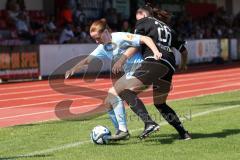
152, 10
150, 3
147, 9
162, 15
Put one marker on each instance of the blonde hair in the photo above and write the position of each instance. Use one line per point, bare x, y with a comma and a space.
99, 26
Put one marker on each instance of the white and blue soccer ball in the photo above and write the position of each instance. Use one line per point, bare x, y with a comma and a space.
100, 135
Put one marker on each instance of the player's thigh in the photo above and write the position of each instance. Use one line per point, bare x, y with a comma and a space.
127, 82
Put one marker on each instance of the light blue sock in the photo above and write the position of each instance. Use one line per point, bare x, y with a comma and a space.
113, 118
119, 110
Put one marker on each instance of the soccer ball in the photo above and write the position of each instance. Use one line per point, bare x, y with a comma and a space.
100, 135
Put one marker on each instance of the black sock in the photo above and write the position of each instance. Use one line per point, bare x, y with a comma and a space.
136, 106
171, 117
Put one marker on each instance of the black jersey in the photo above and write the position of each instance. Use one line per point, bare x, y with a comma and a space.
164, 37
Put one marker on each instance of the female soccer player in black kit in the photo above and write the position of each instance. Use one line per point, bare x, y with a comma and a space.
156, 70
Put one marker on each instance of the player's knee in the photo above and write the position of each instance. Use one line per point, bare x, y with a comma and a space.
115, 91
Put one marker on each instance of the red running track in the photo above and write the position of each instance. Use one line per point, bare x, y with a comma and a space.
30, 102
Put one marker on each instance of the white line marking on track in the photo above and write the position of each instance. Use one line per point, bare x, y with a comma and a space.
59, 94
205, 89
174, 93
197, 74
50, 89
86, 106
76, 144
207, 72
203, 78
48, 111
45, 83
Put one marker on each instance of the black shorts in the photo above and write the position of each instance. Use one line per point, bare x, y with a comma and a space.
157, 73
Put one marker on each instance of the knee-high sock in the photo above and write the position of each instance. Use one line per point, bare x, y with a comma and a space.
136, 106
171, 117
119, 110
113, 118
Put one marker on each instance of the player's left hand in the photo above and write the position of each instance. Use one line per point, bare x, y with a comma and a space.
117, 67
69, 73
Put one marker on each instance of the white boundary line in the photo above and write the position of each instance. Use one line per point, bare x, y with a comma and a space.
202, 95
147, 103
76, 144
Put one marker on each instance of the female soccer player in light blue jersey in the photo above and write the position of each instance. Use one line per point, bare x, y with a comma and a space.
112, 46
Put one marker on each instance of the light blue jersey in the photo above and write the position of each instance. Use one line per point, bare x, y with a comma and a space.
113, 51
121, 41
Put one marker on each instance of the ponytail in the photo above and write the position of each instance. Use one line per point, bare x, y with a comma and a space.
156, 12
162, 15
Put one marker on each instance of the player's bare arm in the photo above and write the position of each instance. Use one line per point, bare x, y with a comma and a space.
117, 67
149, 42
130, 52
78, 67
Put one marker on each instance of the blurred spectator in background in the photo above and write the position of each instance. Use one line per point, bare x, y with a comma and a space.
236, 25
23, 28
20, 23
215, 25
72, 4
80, 34
126, 27
50, 25
9, 4
66, 16
67, 35
21, 3
112, 19
13, 12
79, 16
107, 4
88, 38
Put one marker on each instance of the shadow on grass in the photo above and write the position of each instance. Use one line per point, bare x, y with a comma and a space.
169, 139
55, 122
25, 156
116, 144
227, 103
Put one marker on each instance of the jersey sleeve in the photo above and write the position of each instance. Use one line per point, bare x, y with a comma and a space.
139, 30
134, 39
99, 52
140, 26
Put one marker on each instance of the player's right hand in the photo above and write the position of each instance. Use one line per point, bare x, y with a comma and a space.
69, 73
157, 55
117, 67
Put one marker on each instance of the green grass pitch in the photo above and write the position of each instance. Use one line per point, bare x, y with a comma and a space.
216, 135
